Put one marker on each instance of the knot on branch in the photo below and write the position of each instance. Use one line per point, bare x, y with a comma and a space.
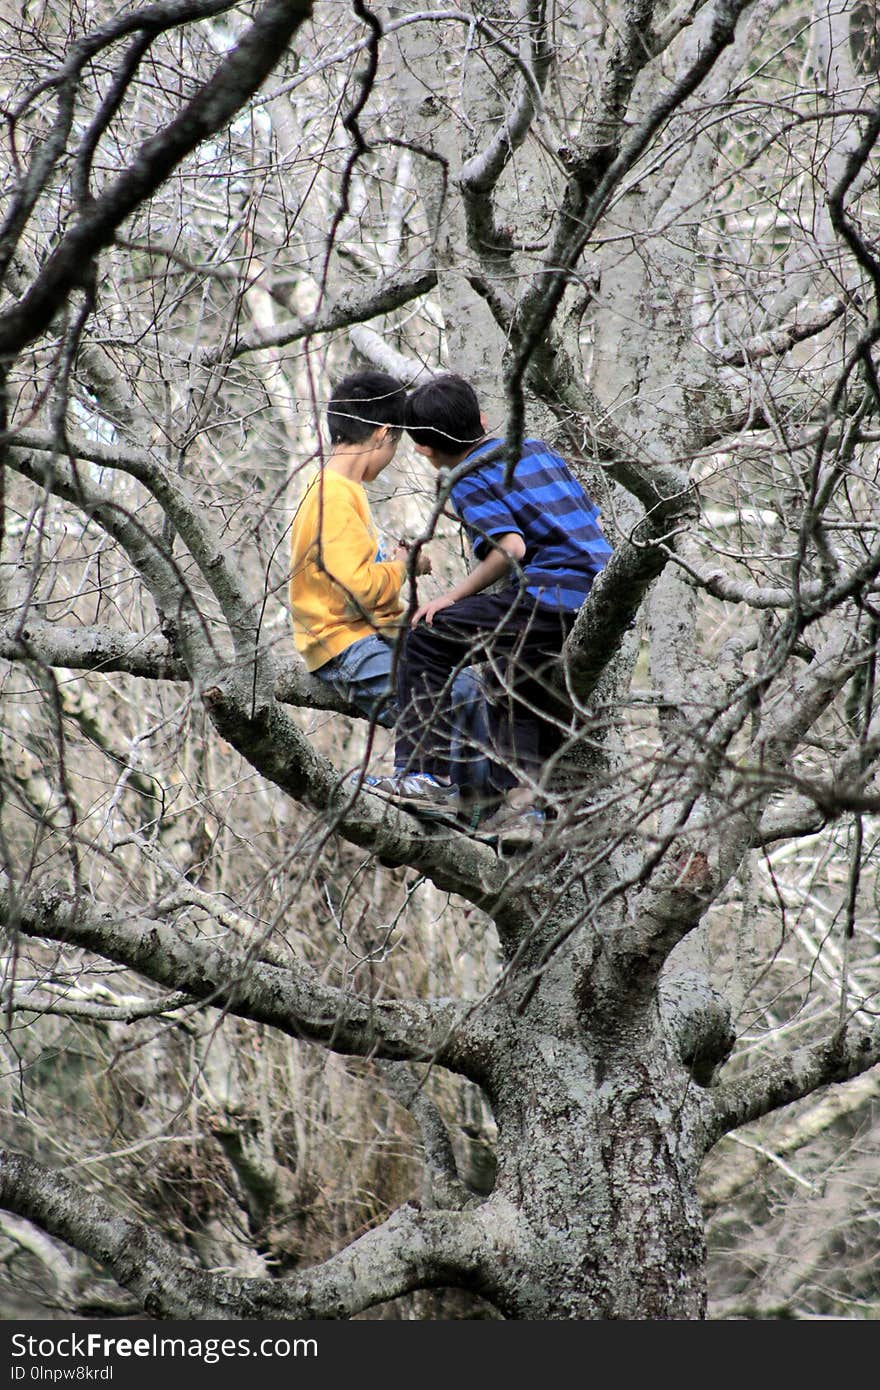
690, 870
685, 878
697, 1020
680, 890
235, 708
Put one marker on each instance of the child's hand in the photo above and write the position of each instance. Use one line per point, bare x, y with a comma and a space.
429, 611
423, 559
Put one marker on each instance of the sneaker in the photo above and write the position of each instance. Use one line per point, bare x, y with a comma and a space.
419, 791
516, 827
364, 779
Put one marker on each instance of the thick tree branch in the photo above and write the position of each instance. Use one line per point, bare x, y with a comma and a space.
856, 161
482, 171
723, 1186
166, 582
354, 307
615, 600
761, 596
680, 886
593, 436
92, 649
697, 1019
240, 609
791, 820
598, 167
445, 1187
294, 999
274, 745
822, 802
789, 1078
26, 1236
678, 894
412, 1250
149, 656
373, 348
809, 696
148, 21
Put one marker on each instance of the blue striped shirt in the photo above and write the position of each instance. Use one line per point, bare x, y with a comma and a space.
546, 505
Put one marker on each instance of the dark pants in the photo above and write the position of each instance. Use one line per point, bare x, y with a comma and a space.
520, 642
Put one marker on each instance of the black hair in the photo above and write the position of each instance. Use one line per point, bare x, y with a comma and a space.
361, 403
444, 414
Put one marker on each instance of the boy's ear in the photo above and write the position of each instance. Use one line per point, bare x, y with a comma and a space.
483, 420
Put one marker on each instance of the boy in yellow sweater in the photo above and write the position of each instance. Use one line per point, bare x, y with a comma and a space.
345, 596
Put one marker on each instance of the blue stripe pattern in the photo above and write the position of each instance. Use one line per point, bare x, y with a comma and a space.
544, 502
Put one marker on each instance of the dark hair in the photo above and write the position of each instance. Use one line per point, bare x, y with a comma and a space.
444, 414
361, 403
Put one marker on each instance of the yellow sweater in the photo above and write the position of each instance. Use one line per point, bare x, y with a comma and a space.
339, 591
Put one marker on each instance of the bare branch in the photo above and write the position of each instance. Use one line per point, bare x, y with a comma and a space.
481, 172
149, 20
150, 656
598, 169
789, 1078
238, 76
616, 598
354, 307
722, 586
445, 1187
411, 1250
796, 1134
63, 1003
294, 999
240, 609
777, 341
374, 349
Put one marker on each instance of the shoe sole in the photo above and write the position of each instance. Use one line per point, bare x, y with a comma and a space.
500, 841
437, 815
415, 804
433, 815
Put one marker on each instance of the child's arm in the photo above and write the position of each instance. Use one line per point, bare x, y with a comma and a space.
506, 548
346, 553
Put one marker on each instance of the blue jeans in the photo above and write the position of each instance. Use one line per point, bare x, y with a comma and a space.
523, 640
362, 675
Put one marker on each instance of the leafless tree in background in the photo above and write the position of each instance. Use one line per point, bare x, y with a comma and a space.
272, 1049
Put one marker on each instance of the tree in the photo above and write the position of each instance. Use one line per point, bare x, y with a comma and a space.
645, 232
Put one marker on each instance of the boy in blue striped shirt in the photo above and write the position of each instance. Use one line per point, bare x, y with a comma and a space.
532, 528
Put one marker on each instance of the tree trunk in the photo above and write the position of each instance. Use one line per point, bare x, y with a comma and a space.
596, 1172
